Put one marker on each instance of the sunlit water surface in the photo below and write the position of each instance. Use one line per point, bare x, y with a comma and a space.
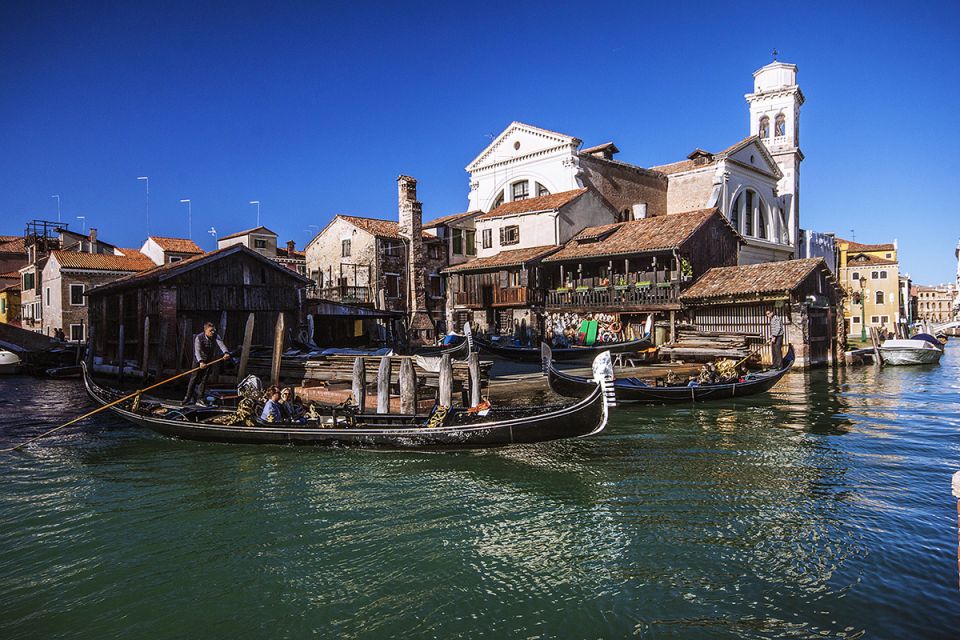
820, 510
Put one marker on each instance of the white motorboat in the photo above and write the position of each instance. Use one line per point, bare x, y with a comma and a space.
917, 350
9, 361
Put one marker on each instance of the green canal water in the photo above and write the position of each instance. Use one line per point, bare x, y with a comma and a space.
821, 510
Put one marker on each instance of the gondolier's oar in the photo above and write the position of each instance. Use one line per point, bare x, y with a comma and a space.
111, 404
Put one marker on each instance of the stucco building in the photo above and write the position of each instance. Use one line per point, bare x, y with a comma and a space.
936, 303
870, 276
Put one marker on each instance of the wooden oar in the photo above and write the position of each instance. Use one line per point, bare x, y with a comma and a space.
111, 404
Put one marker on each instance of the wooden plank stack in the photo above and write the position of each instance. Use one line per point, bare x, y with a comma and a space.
706, 345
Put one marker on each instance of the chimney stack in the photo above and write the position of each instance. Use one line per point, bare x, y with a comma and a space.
93, 240
411, 227
291, 247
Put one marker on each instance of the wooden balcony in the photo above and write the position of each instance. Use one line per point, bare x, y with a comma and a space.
496, 297
343, 293
639, 296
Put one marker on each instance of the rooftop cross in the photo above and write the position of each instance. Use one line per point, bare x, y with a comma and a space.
775, 54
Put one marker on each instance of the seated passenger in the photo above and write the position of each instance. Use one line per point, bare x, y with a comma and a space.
286, 404
271, 410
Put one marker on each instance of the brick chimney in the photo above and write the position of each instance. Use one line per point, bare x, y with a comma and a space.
411, 227
93, 240
291, 247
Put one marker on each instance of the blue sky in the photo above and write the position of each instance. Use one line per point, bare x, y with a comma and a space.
314, 109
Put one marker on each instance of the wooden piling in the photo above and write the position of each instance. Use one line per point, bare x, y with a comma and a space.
222, 329
146, 344
408, 388
383, 386
277, 351
446, 380
359, 384
875, 339
245, 351
120, 353
473, 364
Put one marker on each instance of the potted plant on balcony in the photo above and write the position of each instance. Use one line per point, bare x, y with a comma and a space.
686, 270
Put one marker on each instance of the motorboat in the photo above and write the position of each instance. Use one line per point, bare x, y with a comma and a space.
9, 362
920, 349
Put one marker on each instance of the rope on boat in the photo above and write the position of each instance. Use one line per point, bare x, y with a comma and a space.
108, 405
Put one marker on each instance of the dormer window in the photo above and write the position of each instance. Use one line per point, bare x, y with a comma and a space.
520, 190
764, 130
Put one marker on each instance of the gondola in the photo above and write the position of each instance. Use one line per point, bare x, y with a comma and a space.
635, 390
564, 354
458, 351
342, 427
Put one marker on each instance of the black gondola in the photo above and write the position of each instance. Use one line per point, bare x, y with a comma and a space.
564, 354
458, 351
339, 427
635, 390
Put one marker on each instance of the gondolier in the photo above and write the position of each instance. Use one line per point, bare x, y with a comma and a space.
205, 347
776, 337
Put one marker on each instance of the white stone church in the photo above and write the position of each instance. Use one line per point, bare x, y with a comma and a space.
755, 182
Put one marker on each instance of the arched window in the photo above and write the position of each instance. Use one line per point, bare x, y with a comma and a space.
520, 190
542, 190
764, 130
735, 213
748, 214
761, 223
498, 201
879, 297
780, 125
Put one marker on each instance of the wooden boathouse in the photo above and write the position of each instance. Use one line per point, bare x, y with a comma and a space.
733, 301
150, 317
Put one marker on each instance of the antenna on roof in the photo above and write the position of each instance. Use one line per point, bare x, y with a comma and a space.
213, 231
853, 235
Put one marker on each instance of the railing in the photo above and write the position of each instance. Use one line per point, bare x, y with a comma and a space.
341, 293
508, 297
616, 296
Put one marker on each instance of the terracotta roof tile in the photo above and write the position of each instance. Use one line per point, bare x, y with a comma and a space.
451, 218
132, 261
178, 245
660, 233
706, 159
752, 279
512, 258
380, 228
864, 259
542, 203
854, 247
12, 244
282, 252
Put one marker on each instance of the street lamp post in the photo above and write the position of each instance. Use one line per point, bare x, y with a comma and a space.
58, 207
189, 217
257, 202
147, 180
864, 292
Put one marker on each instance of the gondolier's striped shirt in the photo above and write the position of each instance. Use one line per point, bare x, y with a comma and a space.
776, 326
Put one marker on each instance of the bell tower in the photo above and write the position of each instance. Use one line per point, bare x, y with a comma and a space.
775, 118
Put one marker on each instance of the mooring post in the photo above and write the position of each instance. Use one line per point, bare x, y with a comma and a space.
277, 351
360, 383
473, 364
245, 351
408, 388
383, 385
146, 344
446, 380
120, 354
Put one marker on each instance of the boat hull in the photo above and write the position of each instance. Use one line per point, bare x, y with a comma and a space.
898, 356
460, 430
569, 354
627, 391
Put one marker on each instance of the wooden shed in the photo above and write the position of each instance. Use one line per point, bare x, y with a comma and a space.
804, 293
158, 311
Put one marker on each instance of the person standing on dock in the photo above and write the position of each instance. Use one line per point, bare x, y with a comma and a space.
776, 338
205, 345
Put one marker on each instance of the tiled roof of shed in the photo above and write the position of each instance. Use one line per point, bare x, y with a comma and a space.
177, 245
133, 260
660, 233
752, 279
541, 203
12, 244
511, 258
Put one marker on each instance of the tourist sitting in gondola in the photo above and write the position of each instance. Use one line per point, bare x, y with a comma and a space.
272, 412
